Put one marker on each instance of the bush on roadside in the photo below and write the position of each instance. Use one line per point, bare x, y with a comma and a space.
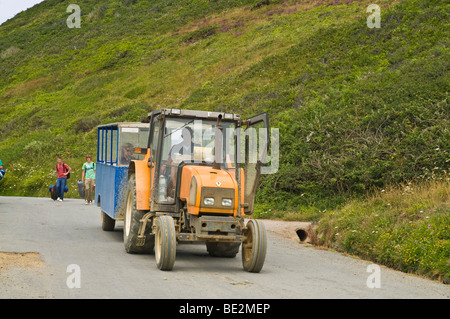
405, 228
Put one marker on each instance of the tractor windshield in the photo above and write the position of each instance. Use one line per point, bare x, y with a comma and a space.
193, 141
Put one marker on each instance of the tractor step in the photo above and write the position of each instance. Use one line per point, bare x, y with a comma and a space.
140, 241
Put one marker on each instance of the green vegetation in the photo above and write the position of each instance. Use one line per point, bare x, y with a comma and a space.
407, 228
357, 108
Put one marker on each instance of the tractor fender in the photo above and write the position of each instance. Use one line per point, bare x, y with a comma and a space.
142, 178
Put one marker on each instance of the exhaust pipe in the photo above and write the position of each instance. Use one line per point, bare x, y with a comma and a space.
218, 143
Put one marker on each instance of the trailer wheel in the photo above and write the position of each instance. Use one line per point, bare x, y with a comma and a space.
108, 223
254, 246
218, 249
132, 218
165, 243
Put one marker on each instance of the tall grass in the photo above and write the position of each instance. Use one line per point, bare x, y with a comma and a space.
405, 227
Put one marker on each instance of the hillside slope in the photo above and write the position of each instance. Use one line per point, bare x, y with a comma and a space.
356, 107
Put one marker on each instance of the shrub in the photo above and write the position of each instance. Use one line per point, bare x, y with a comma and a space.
407, 228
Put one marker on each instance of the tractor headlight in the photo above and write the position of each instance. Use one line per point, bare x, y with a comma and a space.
227, 202
217, 198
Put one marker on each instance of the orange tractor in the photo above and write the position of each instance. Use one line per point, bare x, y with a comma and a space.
196, 182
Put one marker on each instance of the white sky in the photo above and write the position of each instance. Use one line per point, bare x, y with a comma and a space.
9, 8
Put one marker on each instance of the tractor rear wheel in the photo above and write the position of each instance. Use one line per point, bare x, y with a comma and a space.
132, 220
254, 246
165, 243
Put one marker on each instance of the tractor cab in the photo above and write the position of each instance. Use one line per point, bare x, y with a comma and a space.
214, 143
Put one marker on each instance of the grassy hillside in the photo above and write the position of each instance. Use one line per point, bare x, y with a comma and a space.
357, 108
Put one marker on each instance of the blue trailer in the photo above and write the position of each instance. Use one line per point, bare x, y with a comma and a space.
115, 149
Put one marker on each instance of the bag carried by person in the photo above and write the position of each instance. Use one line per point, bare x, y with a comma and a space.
81, 189
52, 190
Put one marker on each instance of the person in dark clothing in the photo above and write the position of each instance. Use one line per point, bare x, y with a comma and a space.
184, 149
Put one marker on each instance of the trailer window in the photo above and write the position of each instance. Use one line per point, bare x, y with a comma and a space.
131, 138
107, 145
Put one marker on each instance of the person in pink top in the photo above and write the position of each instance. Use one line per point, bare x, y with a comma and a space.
62, 170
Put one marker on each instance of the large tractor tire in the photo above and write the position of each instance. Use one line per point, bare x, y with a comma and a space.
108, 223
165, 243
131, 224
254, 246
217, 249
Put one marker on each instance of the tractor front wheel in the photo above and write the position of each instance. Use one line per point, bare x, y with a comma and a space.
254, 247
165, 243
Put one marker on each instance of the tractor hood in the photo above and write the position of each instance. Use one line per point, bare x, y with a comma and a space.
209, 190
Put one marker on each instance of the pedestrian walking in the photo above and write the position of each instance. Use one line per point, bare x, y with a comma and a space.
2, 171
62, 171
88, 177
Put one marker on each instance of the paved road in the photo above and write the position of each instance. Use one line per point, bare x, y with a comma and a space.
69, 233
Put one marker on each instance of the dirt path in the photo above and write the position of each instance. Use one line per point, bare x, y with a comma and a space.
24, 275
22, 260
